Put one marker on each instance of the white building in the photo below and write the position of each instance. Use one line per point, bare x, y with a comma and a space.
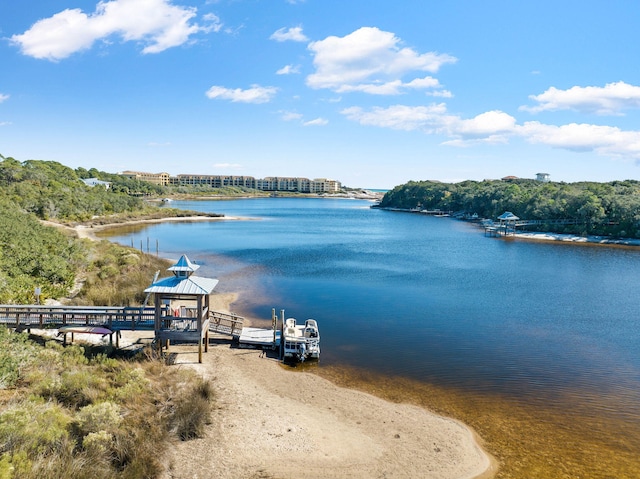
95, 181
544, 177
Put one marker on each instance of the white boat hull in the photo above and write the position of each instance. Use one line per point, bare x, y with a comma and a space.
300, 342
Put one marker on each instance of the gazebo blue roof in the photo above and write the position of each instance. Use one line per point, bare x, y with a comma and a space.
189, 286
184, 264
508, 216
183, 282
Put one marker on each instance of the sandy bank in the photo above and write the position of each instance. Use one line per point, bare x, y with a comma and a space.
274, 422
84, 231
271, 421
569, 238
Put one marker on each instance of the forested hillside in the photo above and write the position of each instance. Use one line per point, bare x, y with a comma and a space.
33, 255
601, 208
53, 191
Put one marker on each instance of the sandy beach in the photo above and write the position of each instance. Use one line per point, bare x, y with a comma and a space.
569, 238
90, 232
274, 422
271, 421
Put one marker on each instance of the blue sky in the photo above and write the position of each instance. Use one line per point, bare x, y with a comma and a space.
372, 93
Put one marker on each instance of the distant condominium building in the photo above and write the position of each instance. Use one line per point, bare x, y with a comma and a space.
162, 179
270, 183
214, 181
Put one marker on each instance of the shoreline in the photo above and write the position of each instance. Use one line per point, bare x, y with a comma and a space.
272, 421
90, 232
569, 238
275, 422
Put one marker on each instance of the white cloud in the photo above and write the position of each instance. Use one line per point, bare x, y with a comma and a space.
3, 97
288, 70
491, 126
398, 117
212, 23
604, 140
290, 115
293, 34
255, 94
316, 122
394, 87
157, 24
371, 61
611, 99
488, 127
5, 123
155, 144
440, 93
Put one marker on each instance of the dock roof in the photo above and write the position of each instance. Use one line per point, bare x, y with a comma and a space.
183, 282
191, 286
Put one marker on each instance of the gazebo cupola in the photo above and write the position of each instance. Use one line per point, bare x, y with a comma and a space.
183, 268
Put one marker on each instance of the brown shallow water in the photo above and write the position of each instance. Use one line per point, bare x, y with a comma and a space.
528, 440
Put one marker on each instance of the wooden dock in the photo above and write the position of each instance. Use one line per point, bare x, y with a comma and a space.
114, 318
53, 317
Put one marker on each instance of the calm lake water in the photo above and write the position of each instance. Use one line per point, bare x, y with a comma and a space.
427, 298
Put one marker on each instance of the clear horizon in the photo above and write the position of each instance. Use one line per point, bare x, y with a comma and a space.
368, 93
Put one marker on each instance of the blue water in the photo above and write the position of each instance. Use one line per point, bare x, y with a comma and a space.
428, 298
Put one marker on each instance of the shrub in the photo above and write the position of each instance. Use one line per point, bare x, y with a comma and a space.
73, 389
98, 443
100, 417
16, 354
35, 428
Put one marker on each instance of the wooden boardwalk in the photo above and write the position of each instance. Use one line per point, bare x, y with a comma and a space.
115, 318
52, 317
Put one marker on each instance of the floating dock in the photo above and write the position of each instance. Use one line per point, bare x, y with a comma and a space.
258, 337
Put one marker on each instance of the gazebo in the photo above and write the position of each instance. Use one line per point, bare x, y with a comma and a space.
182, 306
508, 222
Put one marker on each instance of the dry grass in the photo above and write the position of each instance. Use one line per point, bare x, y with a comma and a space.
96, 417
117, 275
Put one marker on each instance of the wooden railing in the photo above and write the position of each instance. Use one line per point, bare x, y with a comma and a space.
112, 317
42, 317
225, 323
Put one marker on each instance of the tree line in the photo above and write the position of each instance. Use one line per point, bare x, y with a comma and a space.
611, 209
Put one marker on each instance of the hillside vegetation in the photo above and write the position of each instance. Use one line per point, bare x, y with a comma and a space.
600, 208
34, 255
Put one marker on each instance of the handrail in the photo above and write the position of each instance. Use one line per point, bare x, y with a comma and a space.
51, 316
